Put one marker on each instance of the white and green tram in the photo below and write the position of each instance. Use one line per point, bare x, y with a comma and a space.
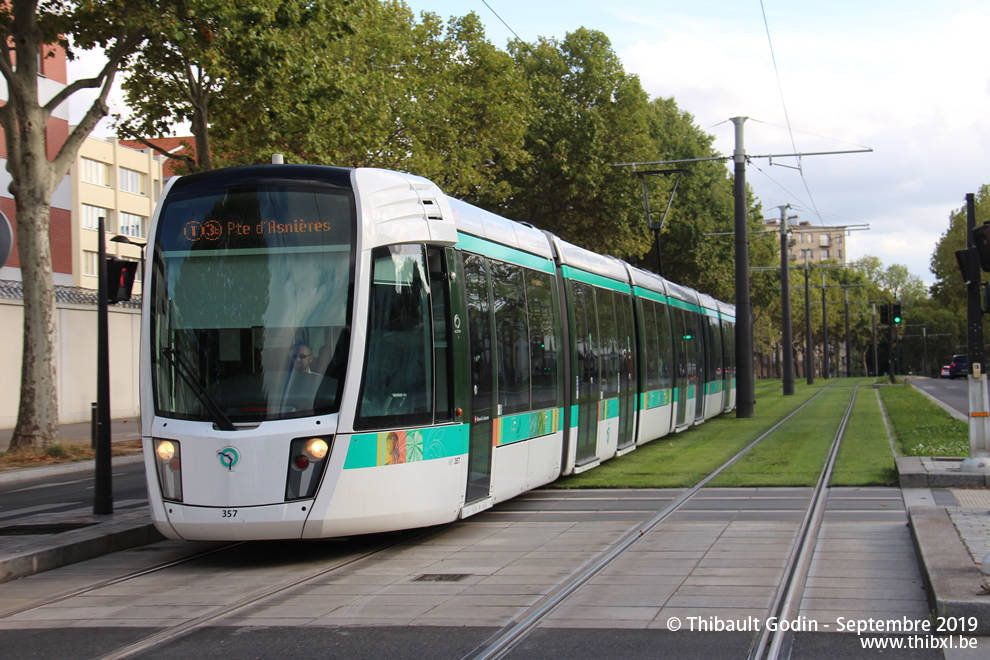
330, 351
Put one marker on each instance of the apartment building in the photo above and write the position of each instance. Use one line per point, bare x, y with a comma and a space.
814, 243
121, 185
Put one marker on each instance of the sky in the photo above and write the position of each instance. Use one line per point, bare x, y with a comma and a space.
909, 79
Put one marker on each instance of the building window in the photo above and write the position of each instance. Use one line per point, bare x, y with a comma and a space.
90, 260
131, 181
838, 239
132, 225
838, 255
823, 240
824, 255
95, 172
91, 216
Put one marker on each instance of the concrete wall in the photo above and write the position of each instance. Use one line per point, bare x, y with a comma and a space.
75, 361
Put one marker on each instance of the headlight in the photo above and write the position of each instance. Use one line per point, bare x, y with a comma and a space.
316, 449
169, 469
307, 461
165, 451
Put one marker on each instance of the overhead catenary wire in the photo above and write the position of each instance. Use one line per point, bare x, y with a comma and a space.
787, 118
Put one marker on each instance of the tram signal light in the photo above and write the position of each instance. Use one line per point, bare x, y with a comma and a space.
895, 312
884, 314
120, 279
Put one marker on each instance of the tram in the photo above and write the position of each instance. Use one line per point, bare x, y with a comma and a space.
328, 352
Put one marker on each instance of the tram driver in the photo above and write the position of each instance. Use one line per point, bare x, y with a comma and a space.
302, 358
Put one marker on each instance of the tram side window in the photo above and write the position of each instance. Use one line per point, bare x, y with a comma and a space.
609, 343
398, 378
541, 295
652, 345
666, 345
715, 350
512, 330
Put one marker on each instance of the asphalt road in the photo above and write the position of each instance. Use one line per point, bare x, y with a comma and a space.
952, 392
70, 492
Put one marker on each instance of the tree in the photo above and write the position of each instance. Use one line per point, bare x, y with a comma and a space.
587, 114
209, 50
30, 28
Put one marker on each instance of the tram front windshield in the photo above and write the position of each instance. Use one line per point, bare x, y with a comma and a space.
250, 314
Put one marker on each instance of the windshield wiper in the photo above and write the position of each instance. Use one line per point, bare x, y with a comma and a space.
219, 416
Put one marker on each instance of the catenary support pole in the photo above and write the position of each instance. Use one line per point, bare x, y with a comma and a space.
745, 385
809, 356
876, 358
825, 365
785, 306
849, 372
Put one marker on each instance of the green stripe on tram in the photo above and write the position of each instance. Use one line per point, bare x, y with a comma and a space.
649, 294
584, 276
516, 428
683, 304
410, 446
503, 253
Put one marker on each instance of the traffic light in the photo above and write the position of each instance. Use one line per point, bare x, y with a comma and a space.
884, 314
981, 237
895, 312
120, 279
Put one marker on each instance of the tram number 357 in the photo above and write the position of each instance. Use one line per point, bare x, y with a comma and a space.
228, 513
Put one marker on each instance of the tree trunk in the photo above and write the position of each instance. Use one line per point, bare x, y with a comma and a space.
37, 415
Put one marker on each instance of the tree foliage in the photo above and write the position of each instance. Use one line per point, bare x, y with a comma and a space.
30, 28
210, 50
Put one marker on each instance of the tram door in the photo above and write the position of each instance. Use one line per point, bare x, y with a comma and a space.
587, 367
680, 366
627, 370
480, 329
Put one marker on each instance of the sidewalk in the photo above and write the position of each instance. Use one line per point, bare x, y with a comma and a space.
125, 428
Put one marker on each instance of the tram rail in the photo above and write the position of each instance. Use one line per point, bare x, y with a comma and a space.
786, 599
499, 645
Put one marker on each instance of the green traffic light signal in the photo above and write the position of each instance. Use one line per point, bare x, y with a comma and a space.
896, 312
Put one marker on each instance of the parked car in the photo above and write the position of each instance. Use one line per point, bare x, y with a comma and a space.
959, 366
946, 372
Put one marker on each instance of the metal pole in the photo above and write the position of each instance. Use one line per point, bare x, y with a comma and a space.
979, 404
809, 359
848, 340
825, 364
103, 486
876, 358
890, 347
974, 314
745, 387
926, 372
785, 306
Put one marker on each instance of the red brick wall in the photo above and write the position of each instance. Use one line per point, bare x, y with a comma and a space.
54, 67
60, 237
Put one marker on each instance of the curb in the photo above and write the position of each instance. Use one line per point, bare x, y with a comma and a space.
937, 472
29, 474
952, 411
951, 576
94, 536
